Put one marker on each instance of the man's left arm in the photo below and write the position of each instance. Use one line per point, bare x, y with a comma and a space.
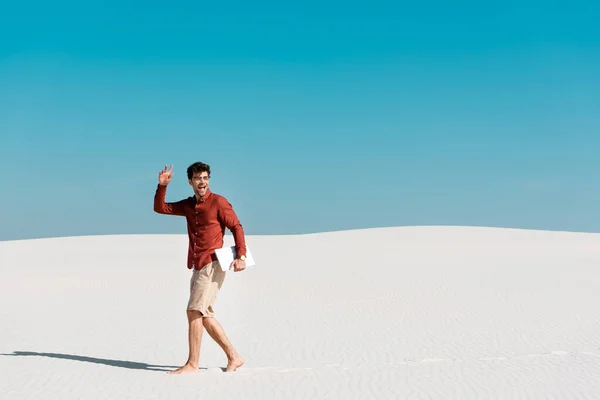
228, 217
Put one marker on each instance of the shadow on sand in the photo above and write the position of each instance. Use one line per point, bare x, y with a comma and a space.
103, 361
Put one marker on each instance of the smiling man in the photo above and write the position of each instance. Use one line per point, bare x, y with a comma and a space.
207, 215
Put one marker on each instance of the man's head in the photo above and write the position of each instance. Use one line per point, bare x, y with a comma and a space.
199, 176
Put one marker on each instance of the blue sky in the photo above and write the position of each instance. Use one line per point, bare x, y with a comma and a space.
314, 116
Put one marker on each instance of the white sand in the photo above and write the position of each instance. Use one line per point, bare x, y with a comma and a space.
398, 313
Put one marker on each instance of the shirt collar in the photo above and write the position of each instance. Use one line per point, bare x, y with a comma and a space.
203, 199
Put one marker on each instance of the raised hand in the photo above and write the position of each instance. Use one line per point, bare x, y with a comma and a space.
164, 176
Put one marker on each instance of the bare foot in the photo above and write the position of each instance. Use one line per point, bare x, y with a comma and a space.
186, 369
234, 363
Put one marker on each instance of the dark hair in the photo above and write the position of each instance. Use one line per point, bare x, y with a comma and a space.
197, 167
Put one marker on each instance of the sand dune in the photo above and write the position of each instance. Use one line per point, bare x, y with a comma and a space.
391, 313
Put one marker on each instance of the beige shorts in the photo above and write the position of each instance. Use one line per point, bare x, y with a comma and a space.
204, 286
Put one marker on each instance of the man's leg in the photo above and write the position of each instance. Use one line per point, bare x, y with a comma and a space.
195, 329
215, 330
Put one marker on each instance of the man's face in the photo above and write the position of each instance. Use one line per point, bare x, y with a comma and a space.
199, 182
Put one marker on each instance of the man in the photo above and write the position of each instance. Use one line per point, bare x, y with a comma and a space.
207, 215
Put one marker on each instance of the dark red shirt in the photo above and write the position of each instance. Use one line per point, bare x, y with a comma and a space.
206, 223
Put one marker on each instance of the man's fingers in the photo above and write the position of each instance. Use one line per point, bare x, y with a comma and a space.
166, 170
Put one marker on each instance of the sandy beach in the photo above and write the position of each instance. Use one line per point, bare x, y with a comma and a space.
432, 312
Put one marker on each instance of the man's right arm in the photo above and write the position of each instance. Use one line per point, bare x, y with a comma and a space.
162, 207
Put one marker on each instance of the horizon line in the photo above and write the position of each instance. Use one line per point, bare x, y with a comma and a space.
227, 233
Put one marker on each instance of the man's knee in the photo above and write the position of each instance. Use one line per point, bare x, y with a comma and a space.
193, 314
